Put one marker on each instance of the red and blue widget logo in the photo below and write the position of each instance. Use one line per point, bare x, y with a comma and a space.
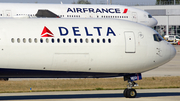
46, 32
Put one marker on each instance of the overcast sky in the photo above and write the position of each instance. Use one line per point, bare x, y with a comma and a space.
134, 2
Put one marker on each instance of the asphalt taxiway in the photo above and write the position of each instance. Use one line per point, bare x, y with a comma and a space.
103, 95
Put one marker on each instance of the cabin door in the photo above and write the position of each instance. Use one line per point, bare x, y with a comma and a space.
7, 13
130, 46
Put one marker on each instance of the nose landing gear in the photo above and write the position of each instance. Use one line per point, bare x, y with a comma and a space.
130, 92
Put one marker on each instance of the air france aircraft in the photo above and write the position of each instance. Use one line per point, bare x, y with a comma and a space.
77, 11
80, 48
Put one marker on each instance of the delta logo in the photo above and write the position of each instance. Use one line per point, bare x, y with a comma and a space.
46, 32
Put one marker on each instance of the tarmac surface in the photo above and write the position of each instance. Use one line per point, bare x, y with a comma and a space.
103, 95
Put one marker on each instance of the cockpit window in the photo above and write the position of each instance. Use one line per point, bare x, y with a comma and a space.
149, 16
157, 37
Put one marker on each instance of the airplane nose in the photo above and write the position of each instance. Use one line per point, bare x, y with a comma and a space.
153, 22
172, 52
167, 52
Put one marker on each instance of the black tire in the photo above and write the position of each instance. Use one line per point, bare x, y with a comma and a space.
125, 92
131, 93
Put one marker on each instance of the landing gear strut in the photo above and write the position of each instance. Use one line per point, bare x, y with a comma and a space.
129, 92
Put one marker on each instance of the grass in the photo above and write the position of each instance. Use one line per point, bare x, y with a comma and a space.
86, 84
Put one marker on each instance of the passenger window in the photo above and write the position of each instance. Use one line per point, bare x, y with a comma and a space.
64, 40
69, 40
98, 40
47, 40
104, 41
86, 40
41, 40
58, 40
81, 40
92, 40
24, 40
52, 40
18, 40
75, 40
35, 40
12, 40
109, 40
30, 40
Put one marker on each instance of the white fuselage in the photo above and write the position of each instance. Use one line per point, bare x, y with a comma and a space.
79, 11
94, 46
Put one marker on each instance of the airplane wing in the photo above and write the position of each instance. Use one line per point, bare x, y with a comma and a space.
46, 13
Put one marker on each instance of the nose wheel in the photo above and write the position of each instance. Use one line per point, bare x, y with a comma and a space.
130, 93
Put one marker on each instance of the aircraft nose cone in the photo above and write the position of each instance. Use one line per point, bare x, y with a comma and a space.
168, 52
172, 52
153, 22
